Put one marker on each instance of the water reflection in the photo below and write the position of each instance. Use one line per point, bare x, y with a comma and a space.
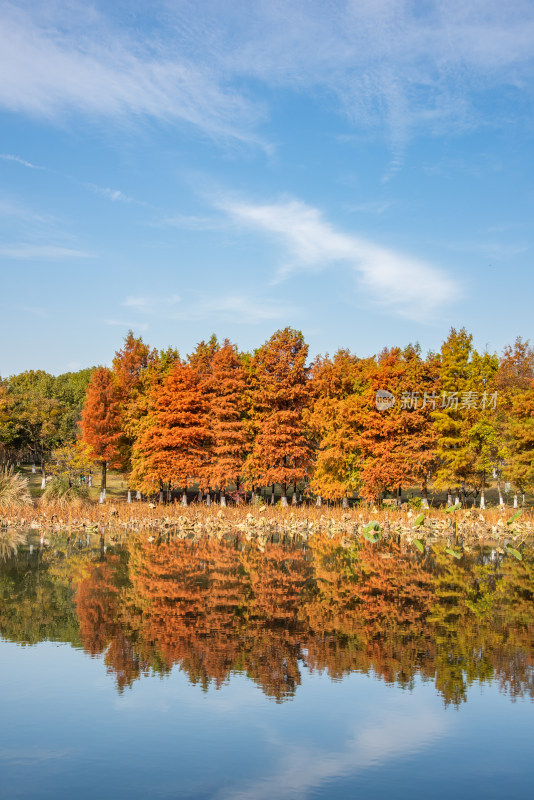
220, 607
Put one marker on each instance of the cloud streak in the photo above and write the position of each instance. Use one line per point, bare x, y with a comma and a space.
390, 65
55, 66
238, 308
18, 160
38, 252
408, 286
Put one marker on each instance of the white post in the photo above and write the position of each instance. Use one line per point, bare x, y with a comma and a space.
319, 501
223, 501
138, 495
208, 499
129, 499
516, 504
184, 499
345, 503
43, 482
449, 500
33, 468
161, 498
90, 481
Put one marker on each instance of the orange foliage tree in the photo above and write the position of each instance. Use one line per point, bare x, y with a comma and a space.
174, 445
100, 424
334, 422
281, 452
397, 443
225, 387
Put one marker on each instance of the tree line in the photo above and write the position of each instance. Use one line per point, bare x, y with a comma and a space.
223, 421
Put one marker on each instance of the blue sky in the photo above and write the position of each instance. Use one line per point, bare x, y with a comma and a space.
362, 171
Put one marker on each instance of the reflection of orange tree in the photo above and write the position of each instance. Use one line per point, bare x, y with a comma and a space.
192, 595
216, 607
97, 601
376, 598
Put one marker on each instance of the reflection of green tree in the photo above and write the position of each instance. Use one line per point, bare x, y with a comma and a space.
35, 603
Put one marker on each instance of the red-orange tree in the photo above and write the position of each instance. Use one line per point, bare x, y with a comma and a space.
398, 443
281, 452
101, 420
225, 387
174, 444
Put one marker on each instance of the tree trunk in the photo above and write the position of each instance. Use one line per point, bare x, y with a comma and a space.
223, 500
272, 495
449, 498
129, 498
283, 501
208, 498
184, 498
319, 501
424, 494
138, 495
501, 499
345, 502
160, 501
516, 504
33, 468
482, 498
43, 474
103, 482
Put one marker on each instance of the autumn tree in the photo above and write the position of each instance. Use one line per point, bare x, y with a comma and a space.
513, 379
201, 359
281, 452
224, 387
100, 425
333, 421
397, 442
520, 469
465, 386
173, 447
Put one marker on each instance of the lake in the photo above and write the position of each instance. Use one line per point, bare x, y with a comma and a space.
226, 668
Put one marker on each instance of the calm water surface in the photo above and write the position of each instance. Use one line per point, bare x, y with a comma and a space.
220, 669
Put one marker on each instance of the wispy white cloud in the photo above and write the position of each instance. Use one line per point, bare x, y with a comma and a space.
301, 771
404, 284
189, 221
120, 323
239, 308
391, 65
18, 160
151, 303
111, 194
37, 252
52, 65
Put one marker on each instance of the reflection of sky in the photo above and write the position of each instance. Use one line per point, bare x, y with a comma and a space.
66, 733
